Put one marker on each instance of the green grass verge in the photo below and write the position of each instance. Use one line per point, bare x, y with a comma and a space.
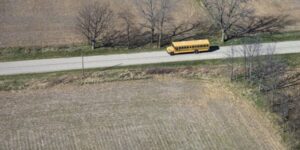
15, 54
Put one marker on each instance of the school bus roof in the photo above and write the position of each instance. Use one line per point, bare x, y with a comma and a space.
188, 43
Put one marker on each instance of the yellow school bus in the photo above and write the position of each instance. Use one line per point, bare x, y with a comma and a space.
195, 46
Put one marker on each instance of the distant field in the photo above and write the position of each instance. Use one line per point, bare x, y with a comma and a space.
160, 113
48, 22
285, 7
51, 22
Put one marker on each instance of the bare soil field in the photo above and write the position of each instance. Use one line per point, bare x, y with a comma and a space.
49, 22
52, 22
158, 113
286, 7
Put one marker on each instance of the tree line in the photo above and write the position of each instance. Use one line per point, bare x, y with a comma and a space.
272, 77
227, 19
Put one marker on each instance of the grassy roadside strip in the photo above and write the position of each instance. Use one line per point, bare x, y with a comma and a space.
15, 54
22, 81
44, 80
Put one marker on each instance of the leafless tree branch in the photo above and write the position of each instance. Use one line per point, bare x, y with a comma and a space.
236, 18
93, 20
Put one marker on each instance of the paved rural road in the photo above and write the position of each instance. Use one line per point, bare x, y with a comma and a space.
61, 64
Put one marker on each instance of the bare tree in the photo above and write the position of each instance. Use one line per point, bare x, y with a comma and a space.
225, 13
272, 74
231, 56
250, 52
185, 30
93, 20
236, 18
128, 19
149, 11
163, 17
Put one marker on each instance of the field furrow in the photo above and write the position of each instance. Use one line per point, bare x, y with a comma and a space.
148, 114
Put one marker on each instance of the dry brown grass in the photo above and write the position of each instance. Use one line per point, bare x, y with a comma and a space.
159, 113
